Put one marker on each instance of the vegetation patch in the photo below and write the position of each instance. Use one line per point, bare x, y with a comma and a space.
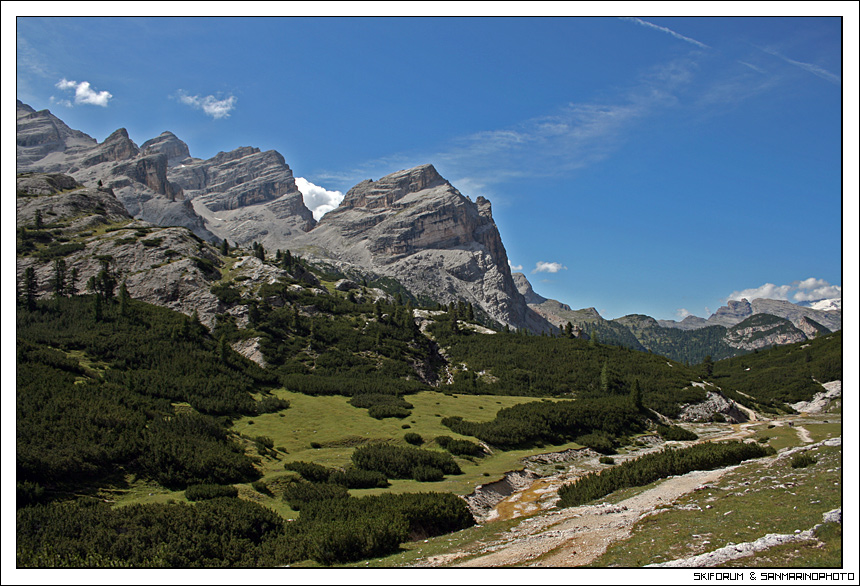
652, 467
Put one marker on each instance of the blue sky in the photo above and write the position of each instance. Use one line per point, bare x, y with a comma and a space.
654, 165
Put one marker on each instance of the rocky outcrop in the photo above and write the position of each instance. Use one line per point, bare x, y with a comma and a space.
415, 227
245, 196
735, 312
137, 177
169, 145
42, 137
762, 331
715, 402
832, 319
164, 266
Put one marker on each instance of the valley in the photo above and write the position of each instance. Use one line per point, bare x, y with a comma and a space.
209, 373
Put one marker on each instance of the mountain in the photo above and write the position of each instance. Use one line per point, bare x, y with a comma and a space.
138, 177
412, 226
417, 228
245, 195
737, 328
736, 311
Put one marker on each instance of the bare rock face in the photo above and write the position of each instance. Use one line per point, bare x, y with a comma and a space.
42, 137
763, 331
416, 227
245, 196
167, 144
730, 314
137, 177
832, 319
165, 266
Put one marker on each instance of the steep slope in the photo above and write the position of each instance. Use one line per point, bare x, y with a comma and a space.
245, 195
79, 232
137, 177
415, 227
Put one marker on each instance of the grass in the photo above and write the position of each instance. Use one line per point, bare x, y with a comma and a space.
757, 498
338, 427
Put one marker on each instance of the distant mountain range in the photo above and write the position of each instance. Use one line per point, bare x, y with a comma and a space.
412, 227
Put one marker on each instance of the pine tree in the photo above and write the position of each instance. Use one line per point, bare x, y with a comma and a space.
37, 220
223, 352
225, 247
30, 287
98, 311
124, 298
636, 395
59, 281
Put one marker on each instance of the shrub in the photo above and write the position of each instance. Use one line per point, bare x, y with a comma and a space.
413, 438
271, 405
652, 467
261, 487
356, 478
201, 492
599, 442
265, 441
802, 460
675, 433
28, 493
607, 460
309, 471
401, 462
427, 474
383, 411
460, 447
299, 493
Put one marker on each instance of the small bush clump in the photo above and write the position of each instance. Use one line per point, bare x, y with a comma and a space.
802, 460
202, 492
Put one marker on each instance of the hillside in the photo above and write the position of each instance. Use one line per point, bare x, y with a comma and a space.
183, 401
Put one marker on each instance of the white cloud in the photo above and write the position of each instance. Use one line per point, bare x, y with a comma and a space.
59, 102
548, 267
515, 267
663, 29
682, 313
84, 93
810, 289
318, 199
766, 291
210, 105
813, 289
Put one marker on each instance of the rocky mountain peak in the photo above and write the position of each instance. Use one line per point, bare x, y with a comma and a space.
525, 287
21, 107
384, 192
168, 144
117, 147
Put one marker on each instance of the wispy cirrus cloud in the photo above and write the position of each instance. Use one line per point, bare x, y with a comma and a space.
810, 67
84, 93
663, 29
211, 106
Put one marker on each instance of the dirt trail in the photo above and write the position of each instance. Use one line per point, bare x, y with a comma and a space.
575, 536
578, 535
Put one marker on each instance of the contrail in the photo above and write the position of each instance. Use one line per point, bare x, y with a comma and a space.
641, 22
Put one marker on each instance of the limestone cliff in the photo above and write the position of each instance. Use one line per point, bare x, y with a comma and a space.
137, 177
414, 226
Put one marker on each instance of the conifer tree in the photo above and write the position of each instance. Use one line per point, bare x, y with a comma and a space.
124, 298
59, 281
30, 287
